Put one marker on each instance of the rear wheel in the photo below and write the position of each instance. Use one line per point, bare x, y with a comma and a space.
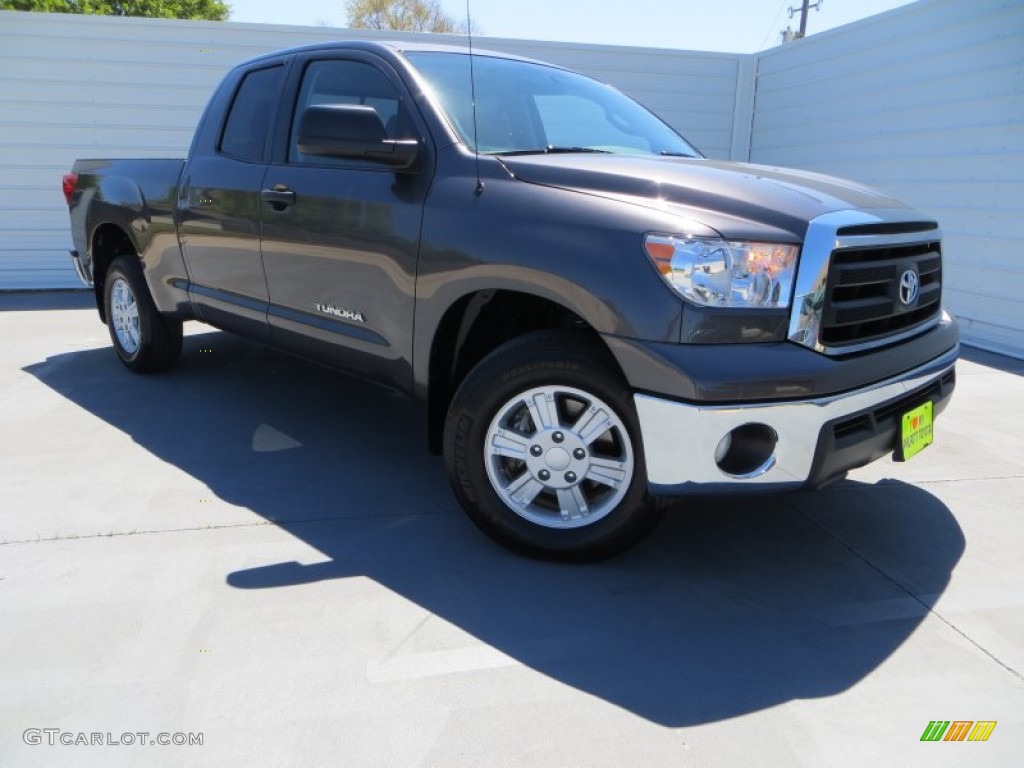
144, 340
544, 451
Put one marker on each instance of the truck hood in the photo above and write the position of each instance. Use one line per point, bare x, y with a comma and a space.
734, 199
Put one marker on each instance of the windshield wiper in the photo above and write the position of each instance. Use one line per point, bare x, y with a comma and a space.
669, 153
553, 150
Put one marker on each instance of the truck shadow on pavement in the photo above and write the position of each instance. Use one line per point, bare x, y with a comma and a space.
731, 606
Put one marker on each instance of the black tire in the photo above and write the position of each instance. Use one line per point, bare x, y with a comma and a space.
576, 379
145, 340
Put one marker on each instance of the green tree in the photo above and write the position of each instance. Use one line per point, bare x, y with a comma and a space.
212, 10
404, 15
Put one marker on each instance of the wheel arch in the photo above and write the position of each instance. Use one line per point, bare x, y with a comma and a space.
476, 323
108, 241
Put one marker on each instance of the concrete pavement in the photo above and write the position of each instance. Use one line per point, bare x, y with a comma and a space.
261, 551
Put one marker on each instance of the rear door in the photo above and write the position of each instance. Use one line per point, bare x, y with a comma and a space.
341, 236
219, 203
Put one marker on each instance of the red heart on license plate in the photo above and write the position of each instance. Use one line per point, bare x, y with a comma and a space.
914, 422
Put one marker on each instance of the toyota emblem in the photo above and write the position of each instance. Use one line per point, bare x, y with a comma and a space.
910, 283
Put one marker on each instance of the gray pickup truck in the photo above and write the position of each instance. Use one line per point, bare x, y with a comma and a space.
595, 316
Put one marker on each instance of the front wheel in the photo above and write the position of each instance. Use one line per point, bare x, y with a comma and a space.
544, 451
144, 340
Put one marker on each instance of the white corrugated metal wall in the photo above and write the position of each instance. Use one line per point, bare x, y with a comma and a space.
926, 102
94, 86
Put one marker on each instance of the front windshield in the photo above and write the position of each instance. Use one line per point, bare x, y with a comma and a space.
524, 108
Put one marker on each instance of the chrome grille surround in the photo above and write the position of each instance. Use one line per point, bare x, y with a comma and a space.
912, 243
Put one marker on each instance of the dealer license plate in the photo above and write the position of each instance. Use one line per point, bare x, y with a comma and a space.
915, 432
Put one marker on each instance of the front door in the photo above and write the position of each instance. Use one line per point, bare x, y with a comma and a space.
341, 236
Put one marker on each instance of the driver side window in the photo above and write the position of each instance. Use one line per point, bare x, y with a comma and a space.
349, 82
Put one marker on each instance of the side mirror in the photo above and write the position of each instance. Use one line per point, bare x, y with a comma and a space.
353, 130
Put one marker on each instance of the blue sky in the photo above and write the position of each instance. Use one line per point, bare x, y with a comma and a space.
737, 26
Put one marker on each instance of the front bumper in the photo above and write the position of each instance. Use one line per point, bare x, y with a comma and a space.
817, 439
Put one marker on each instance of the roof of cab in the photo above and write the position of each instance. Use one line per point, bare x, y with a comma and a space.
389, 46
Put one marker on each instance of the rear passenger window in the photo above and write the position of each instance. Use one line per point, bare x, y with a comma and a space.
245, 130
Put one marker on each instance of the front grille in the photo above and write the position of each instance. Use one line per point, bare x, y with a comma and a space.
862, 293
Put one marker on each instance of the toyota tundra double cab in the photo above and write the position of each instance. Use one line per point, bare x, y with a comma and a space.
594, 315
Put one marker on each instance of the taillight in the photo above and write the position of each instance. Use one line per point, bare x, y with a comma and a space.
70, 180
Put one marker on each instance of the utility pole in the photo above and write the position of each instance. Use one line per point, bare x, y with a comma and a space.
807, 5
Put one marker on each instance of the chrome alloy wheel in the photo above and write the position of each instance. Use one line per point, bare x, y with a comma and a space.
559, 457
124, 314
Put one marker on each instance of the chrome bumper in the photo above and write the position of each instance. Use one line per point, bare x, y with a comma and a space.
83, 275
680, 439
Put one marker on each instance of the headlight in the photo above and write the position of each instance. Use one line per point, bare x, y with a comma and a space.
722, 273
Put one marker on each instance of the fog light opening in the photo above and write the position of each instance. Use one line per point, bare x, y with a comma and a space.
747, 451
723, 448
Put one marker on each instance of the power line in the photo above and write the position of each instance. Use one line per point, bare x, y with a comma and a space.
775, 22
